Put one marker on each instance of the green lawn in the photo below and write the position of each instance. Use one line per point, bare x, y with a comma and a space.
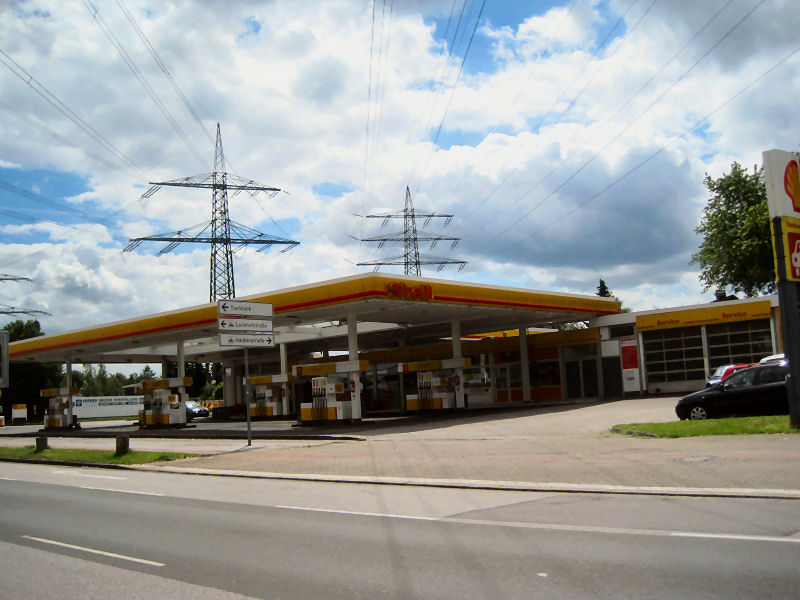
104, 457
730, 426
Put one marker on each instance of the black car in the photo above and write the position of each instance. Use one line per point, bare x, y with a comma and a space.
758, 390
195, 409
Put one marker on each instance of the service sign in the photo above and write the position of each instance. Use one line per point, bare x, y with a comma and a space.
782, 171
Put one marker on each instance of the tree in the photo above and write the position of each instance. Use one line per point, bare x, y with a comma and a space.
27, 380
737, 249
604, 292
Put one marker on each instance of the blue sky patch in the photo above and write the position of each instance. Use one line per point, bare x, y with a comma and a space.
252, 27
331, 189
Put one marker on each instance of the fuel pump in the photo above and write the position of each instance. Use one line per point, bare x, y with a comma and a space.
164, 402
58, 407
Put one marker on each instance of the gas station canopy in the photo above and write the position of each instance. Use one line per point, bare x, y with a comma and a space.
388, 309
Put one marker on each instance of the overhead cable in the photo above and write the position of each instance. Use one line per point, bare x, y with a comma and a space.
138, 74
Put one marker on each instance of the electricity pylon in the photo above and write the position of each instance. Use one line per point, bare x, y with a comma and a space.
220, 232
5, 309
411, 259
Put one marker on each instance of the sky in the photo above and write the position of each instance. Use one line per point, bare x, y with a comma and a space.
569, 139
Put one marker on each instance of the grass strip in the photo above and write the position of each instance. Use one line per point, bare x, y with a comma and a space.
729, 426
97, 457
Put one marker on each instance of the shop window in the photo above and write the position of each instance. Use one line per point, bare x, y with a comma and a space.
742, 342
515, 374
674, 355
618, 331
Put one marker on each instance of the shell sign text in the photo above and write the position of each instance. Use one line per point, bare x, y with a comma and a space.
401, 291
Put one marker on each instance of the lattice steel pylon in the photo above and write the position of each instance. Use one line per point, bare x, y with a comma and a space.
5, 309
411, 259
225, 234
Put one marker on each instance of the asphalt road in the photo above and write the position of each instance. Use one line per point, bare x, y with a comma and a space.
94, 533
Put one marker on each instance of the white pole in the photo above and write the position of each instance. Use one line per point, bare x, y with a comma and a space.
352, 347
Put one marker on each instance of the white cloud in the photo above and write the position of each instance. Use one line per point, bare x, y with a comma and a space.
550, 128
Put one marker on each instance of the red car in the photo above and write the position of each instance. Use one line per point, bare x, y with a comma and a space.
725, 371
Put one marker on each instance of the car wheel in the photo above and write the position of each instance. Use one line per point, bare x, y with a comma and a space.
698, 412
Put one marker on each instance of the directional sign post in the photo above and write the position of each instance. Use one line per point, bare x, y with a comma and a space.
253, 340
243, 308
238, 324
242, 323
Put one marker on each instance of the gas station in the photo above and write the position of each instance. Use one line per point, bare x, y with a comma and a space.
364, 345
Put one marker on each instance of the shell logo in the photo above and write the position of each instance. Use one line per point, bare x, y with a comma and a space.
791, 183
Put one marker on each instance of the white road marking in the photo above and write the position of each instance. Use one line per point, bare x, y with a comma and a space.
102, 489
8, 479
560, 527
68, 472
93, 551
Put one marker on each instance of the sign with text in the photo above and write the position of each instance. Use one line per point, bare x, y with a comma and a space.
255, 340
232, 324
782, 173
244, 309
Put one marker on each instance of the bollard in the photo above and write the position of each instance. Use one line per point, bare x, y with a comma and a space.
41, 443
123, 445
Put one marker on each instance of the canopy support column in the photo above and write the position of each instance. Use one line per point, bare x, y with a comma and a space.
524, 364
355, 376
455, 333
284, 371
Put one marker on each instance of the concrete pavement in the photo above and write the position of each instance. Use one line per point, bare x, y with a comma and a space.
566, 446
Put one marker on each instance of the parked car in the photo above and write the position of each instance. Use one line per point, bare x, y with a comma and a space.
195, 409
757, 390
724, 371
773, 358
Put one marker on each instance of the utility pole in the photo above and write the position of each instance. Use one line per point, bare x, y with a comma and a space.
224, 236
411, 259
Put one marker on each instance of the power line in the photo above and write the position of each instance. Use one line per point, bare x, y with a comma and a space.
597, 49
621, 132
662, 148
93, 10
164, 69
452, 94
53, 100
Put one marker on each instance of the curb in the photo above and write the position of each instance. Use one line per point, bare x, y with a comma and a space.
466, 484
477, 484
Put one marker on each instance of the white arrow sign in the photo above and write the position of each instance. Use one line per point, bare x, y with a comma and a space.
249, 339
244, 308
228, 324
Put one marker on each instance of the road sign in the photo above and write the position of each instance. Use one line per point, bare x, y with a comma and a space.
229, 324
244, 308
253, 340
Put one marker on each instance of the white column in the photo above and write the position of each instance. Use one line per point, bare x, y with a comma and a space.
69, 392
523, 360
181, 368
284, 371
455, 333
355, 377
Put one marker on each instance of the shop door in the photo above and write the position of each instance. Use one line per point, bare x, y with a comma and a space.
573, 373
590, 387
612, 377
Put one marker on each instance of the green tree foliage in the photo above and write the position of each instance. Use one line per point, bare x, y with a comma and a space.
603, 291
27, 380
97, 381
736, 250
